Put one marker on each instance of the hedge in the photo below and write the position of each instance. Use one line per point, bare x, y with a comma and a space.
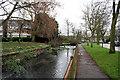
14, 39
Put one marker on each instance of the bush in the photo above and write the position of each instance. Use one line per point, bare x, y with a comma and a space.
4, 39
15, 39
26, 39
53, 44
74, 42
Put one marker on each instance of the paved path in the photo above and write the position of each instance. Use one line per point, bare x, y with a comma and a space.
87, 68
117, 48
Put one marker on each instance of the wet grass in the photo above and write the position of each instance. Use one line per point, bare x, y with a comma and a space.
12, 47
65, 43
25, 51
107, 62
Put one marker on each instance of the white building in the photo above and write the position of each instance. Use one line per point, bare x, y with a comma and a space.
14, 28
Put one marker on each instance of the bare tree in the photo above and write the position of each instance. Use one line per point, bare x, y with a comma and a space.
33, 8
79, 35
4, 5
68, 25
114, 21
92, 19
104, 17
73, 30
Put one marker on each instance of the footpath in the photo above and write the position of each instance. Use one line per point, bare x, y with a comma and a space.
87, 68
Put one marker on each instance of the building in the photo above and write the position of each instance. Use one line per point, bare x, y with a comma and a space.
14, 27
43, 26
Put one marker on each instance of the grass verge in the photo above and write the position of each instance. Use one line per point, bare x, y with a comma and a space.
107, 62
15, 47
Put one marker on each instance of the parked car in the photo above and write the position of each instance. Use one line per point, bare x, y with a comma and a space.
108, 42
117, 43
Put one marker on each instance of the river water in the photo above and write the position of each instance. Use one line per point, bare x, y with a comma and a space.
47, 65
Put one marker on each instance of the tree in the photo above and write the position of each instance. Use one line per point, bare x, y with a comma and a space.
73, 30
92, 19
4, 5
46, 27
104, 19
79, 35
35, 10
68, 24
114, 21
5, 22
86, 32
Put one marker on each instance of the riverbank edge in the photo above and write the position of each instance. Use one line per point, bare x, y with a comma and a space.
72, 65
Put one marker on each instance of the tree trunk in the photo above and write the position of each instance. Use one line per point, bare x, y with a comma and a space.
98, 38
87, 42
20, 32
33, 38
102, 41
5, 29
112, 34
11, 36
4, 23
92, 40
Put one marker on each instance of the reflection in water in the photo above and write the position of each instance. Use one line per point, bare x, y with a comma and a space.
48, 65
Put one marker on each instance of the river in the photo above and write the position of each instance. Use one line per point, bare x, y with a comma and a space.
46, 65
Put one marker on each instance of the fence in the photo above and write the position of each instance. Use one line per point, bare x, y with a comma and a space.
71, 70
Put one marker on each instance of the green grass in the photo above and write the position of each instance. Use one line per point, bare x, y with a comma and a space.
25, 50
107, 62
65, 43
11, 47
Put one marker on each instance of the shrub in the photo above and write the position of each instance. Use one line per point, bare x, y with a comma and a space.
15, 39
53, 44
26, 39
4, 39
14, 65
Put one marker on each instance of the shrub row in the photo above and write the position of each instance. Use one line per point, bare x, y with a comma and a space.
14, 39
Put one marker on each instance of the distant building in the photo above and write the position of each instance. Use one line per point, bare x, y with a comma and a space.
44, 26
14, 28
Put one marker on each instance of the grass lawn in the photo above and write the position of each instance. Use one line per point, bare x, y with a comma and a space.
11, 47
65, 43
107, 62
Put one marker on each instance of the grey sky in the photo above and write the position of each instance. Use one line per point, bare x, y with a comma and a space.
72, 10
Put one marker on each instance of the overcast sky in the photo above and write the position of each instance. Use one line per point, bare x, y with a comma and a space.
72, 10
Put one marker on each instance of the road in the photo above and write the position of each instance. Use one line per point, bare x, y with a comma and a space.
108, 46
